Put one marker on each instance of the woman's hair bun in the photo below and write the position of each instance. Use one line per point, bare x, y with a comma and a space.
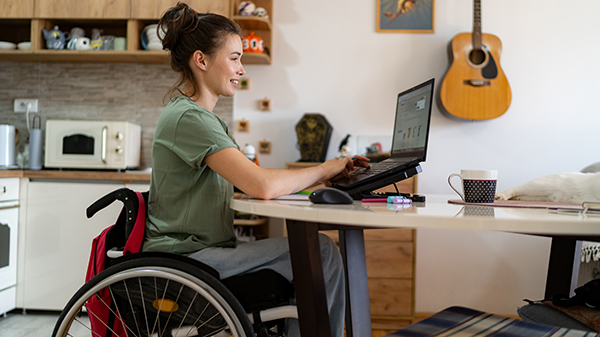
177, 20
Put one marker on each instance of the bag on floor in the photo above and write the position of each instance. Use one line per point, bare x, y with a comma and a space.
588, 295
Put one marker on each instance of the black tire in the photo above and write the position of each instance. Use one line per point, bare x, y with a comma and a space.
153, 296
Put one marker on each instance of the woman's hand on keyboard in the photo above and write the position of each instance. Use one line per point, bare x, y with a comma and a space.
342, 166
360, 161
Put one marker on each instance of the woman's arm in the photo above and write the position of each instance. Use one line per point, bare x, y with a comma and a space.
264, 183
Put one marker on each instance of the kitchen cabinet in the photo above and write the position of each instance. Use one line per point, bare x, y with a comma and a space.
56, 239
24, 20
16, 9
78, 9
9, 231
153, 9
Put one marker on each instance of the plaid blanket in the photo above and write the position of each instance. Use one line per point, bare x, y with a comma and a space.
463, 322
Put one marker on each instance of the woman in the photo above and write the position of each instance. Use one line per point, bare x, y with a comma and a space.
196, 162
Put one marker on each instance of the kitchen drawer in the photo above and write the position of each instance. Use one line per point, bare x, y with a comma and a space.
9, 189
390, 259
391, 297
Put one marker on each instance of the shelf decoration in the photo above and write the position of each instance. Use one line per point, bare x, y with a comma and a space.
55, 39
264, 104
246, 8
314, 132
244, 84
243, 125
264, 147
253, 44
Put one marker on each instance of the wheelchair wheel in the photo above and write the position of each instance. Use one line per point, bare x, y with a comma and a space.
153, 297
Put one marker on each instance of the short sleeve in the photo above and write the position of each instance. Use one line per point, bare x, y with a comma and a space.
199, 134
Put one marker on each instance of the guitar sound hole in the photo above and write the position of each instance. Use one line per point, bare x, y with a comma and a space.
477, 56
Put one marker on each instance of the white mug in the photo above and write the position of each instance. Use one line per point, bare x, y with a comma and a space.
479, 186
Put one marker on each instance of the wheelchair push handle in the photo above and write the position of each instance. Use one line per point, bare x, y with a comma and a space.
123, 194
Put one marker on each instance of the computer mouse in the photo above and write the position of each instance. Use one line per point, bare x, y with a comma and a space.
330, 195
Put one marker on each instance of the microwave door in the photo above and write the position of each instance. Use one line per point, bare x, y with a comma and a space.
78, 144
84, 148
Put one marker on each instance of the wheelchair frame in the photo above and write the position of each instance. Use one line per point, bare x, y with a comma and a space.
163, 294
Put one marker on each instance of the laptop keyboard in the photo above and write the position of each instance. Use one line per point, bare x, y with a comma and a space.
376, 168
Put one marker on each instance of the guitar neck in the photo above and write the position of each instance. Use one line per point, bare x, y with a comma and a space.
477, 25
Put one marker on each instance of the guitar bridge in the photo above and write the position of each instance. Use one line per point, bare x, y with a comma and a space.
477, 83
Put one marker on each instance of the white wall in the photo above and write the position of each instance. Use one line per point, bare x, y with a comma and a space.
328, 58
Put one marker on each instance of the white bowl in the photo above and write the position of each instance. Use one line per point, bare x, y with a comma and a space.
7, 45
155, 45
24, 45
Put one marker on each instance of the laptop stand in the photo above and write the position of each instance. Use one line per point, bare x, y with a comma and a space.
365, 190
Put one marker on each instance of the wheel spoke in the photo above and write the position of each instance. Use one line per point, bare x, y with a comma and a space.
187, 311
144, 305
103, 323
181, 286
176, 285
131, 307
118, 314
156, 320
200, 316
84, 325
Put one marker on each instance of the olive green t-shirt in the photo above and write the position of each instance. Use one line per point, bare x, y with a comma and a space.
188, 208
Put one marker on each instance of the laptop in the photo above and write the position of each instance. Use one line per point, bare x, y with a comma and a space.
409, 145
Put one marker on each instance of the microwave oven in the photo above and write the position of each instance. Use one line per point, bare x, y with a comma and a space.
111, 145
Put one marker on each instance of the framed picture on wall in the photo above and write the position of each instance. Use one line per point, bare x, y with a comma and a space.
405, 16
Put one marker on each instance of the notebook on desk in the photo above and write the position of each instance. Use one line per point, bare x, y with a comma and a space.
409, 145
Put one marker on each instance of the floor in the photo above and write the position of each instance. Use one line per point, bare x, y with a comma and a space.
33, 324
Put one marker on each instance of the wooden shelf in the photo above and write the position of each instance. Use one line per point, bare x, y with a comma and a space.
256, 58
109, 56
252, 22
27, 25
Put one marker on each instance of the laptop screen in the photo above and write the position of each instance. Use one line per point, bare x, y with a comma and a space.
411, 128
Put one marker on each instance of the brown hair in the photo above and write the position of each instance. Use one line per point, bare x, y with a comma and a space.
182, 31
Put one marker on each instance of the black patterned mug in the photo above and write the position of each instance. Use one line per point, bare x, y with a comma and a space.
479, 186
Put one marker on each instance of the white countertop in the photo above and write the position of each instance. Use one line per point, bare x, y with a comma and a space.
436, 212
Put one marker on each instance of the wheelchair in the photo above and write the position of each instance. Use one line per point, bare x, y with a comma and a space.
163, 294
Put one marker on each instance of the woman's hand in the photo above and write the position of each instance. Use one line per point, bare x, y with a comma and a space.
342, 166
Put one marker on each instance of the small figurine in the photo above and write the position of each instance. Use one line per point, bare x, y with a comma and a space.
344, 149
246, 8
250, 153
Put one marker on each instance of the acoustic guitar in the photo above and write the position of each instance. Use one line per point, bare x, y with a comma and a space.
475, 86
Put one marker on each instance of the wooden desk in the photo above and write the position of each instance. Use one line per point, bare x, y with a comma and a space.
304, 220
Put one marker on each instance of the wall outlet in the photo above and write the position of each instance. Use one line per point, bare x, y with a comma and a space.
21, 104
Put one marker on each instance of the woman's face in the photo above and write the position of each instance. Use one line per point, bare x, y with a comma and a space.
225, 67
